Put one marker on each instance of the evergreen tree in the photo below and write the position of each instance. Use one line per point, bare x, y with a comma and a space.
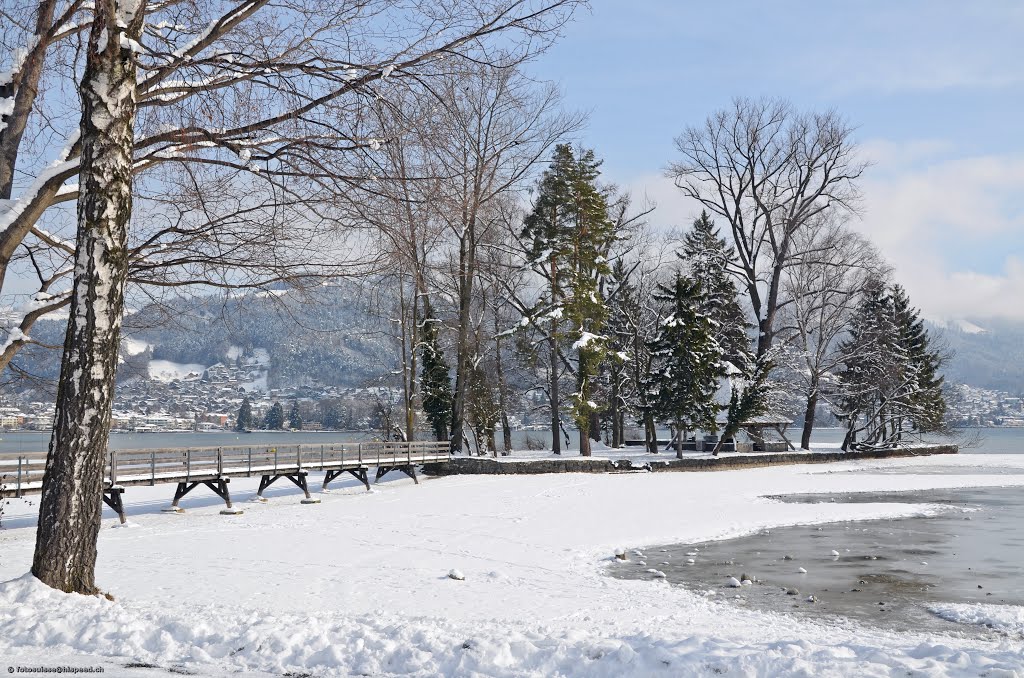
295, 417
749, 397
687, 361
890, 382
332, 416
926, 406
435, 380
273, 420
568, 236
871, 364
243, 422
707, 256
482, 409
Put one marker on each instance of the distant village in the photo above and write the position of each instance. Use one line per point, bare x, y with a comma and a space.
193, 398
181, 397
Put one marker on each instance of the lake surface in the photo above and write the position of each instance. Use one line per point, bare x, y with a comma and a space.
976, 441
893, 573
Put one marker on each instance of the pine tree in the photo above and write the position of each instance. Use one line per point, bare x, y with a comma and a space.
568, 236
273, 420
687, 361
295, 417
243, 422
435, 380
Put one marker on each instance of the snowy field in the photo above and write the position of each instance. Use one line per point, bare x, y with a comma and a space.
358, 585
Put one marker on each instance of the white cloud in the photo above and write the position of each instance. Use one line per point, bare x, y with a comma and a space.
928, 219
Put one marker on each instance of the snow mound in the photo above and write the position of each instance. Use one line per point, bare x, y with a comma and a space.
1005, 618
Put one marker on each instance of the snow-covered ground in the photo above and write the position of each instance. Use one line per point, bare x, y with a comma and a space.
358, 585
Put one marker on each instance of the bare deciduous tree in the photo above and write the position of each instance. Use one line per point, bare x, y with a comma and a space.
301, 127
769, 172
824, 288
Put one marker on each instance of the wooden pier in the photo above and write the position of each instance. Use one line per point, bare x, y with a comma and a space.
21, 473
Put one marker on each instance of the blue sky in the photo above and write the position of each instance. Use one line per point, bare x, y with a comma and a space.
935, 90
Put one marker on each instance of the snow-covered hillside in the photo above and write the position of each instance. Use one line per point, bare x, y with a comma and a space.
166, 371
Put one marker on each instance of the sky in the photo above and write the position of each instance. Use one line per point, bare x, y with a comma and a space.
934, 88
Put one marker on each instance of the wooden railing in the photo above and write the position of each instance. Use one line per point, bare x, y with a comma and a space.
21, 473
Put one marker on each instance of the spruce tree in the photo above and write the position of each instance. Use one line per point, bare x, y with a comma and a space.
273, 420
435, 380
707, 256
243, 422
871, 367
890, 382
568, 236
686, 360
925, 404
332, 416
295, 417
748, 398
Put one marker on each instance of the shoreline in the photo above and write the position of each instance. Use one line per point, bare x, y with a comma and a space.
703, 463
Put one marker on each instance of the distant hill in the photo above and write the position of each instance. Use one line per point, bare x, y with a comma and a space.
337, 338
986, 353
330, 338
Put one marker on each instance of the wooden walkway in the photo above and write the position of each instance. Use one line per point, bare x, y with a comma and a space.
213, 467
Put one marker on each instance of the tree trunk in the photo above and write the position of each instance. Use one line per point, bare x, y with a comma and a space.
462, 363
585, 444
408, 354
615, 409
556, 433
506, 431
848, 438
680, 435
70, 506
650, 432
812, 405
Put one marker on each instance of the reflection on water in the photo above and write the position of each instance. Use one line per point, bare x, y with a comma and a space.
881, 572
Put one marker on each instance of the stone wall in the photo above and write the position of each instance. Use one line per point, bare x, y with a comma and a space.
724, 462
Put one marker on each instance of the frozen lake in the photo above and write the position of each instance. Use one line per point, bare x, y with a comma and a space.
956, 571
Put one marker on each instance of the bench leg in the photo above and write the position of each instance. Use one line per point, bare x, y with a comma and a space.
299, 479
358, 473
112, 498
408, 470
220, 488
179, 492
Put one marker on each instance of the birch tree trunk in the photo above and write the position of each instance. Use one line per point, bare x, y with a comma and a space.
70, 506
